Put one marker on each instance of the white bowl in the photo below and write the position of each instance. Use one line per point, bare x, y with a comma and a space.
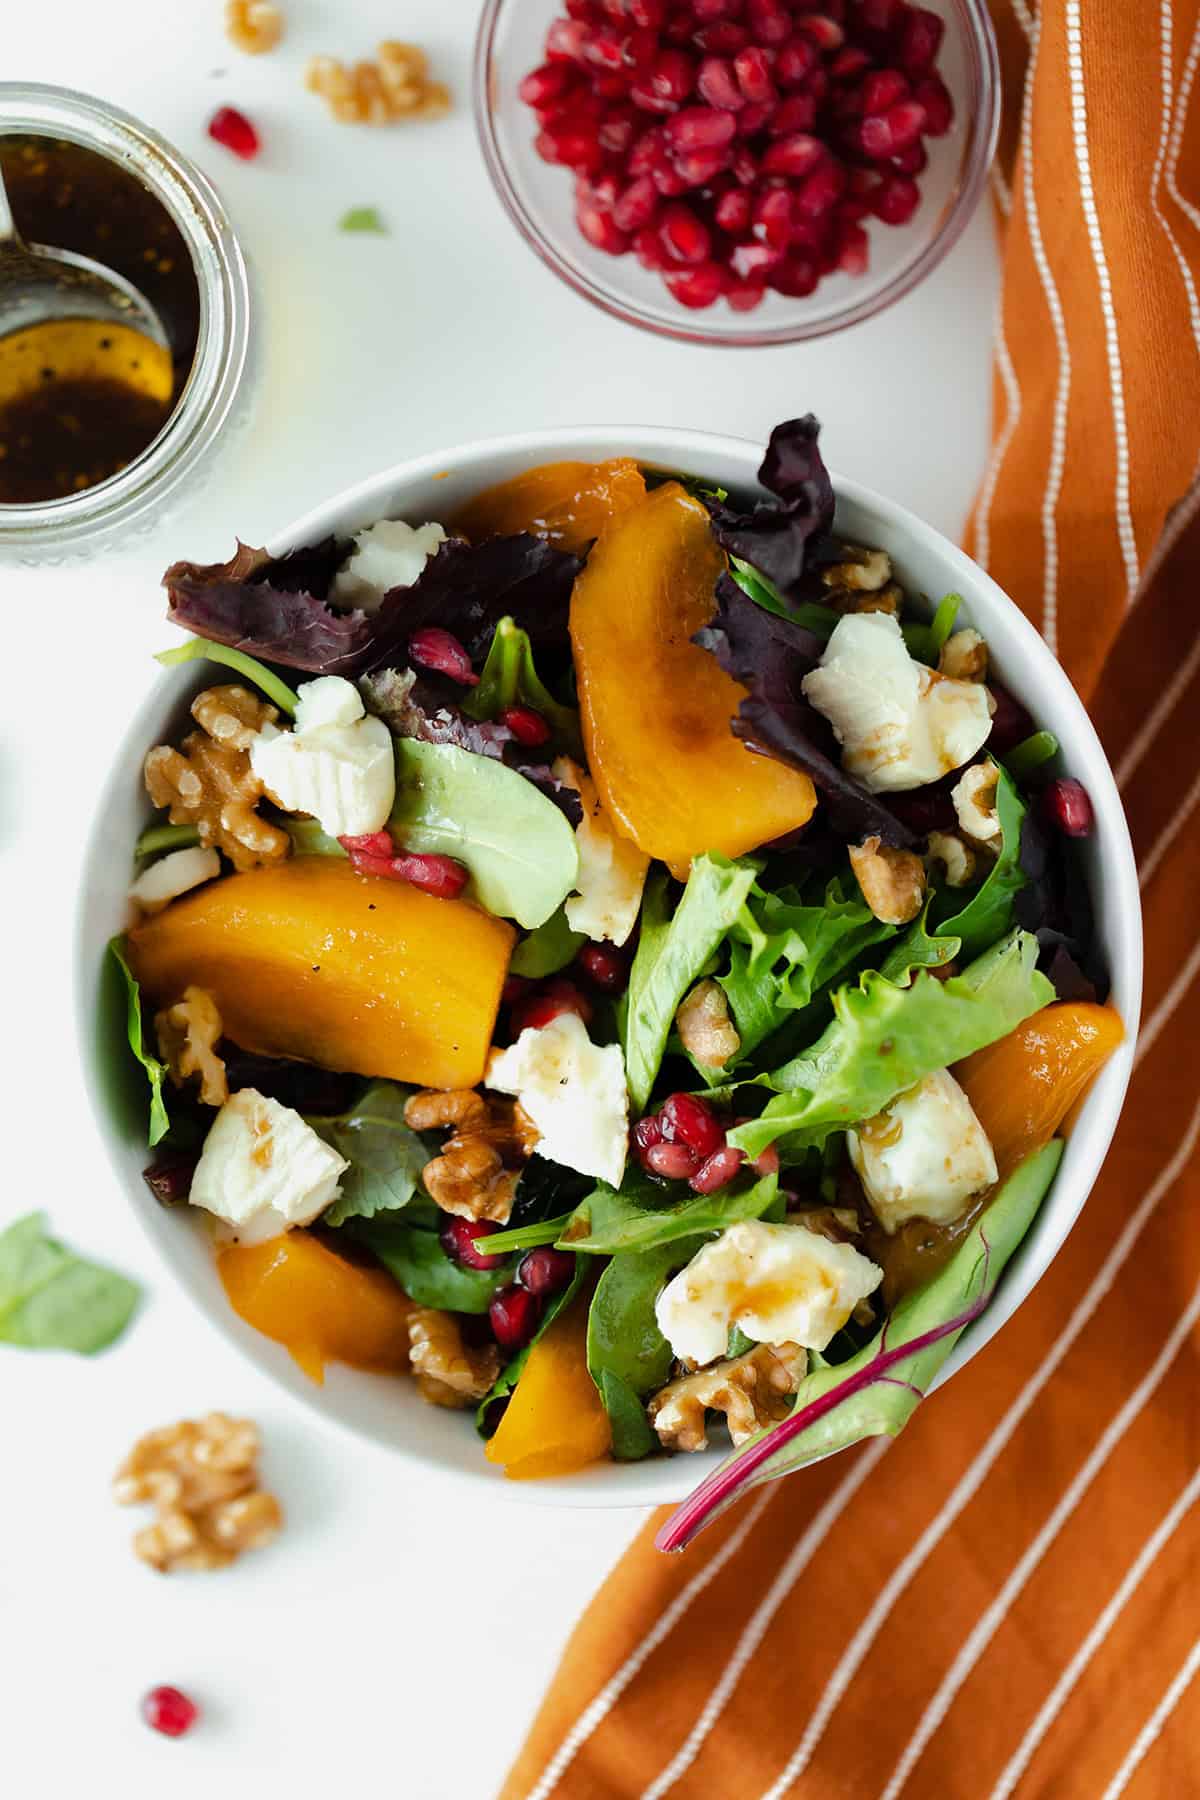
387, 1410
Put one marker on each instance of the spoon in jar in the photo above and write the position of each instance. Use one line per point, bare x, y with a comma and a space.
39, 284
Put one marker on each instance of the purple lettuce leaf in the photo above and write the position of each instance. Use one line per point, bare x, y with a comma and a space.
770, 656
777, 536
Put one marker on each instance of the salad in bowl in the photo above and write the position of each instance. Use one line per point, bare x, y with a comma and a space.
612, 956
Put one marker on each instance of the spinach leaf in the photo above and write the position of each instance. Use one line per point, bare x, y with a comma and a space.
1030, 754
918, 950
511, 1373
156, 1072
547, 949
989, 911
672, 952
385, 1156
878, 1389
416, 1260
632, 1434
519, 848
247, 666
528, 1237
609, 1221
623, 1335
884, 1038
782, 952
509, 677
51, 1299
738, 1343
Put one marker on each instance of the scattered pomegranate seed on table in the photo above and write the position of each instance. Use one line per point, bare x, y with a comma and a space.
1067, 806
736, 146
441, 651
168, 1709
461, 1238
513, 1315
233, 130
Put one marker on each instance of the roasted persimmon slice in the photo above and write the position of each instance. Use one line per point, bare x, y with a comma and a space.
1023, 1086
656, 708
567, 503
319, 1306
555, 1422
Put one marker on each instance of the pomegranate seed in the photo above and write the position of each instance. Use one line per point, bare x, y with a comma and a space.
698, 287
683, 235
744, 296
647, 247
672, 77
582, 9
799, 113
637, 206
910, 161
750, 260
575, 146
515, 988
549, 1003
550, 82
700, 128
817, 84
527, 726
374, 844
546, 1270
796, 276
513, 1314
795, 155
848, 63
605, 966
770, 23
565, 40
920, 40
883, 89
725, 38
674, 1161
1067, 806
647, 1132
743, 167
796, 60
436, 649
648, 13
733, 210
603, 48
825, 32
821, 189
716, 84
233, 129
459, 1238
717, 1170
753, 118
687, 1120
696, 168
169, 1178
168, 1709
897, 199
753, 72
877, 15
934, 96
854, 255
766, 1162
649, 153
773, 217
440, 876
616, 134
599, 229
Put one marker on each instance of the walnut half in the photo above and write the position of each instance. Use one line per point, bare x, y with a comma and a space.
187, 1035
752, 1391
892, 881
208, 781
202, 1477
449, 1371
477, 1172
705, 1029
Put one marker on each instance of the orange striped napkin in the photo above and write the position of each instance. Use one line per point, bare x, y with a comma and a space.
1006, 1600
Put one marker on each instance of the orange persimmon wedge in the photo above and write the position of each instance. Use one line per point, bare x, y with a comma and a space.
308, 959
555, 1422
1023, 1086
567, 503
320, 1307
657, 708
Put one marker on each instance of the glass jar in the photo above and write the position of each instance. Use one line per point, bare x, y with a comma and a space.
98, 516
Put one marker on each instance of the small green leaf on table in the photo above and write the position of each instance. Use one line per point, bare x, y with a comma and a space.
52, 1299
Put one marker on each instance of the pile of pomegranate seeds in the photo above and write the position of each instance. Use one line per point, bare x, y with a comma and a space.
685, 1141
739, 145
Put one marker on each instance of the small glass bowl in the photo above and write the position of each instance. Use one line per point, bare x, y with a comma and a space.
539, 197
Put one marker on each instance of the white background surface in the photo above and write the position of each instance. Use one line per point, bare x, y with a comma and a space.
361, 1647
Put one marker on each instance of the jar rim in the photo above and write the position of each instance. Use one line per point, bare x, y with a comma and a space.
222, 342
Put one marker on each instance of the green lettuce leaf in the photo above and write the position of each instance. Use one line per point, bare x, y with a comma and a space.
878, 1389
988, 914
883, 1039
918, 949
783, 951
415, 1258
156, 1072
609, 1221
518, 846
510, 1374
547, 949
52, 1299
672, 952
509, 678
385, 1156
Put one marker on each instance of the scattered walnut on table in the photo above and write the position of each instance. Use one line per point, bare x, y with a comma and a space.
395, 86
476, 1174
752, 1391
253, 25
208, 781
187, 1034
201, 1475
449, 1371
892, 881
705, 1028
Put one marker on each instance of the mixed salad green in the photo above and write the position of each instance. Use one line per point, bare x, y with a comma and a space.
572, 953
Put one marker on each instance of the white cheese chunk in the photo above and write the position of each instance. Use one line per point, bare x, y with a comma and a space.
338, 765
173, 875
573, 1091
926, 1156
387, 555
900, 724
263, 1169
780, 1284
612, 870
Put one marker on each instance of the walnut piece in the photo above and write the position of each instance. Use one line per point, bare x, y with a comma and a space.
187, 1037
887, 599
964, 657
860, 569
892, 881
955, 856
751, 1390
705, 1029
253, 25
201, 1475
480, 1164
974, 797
449, 1371
208, 781
395, 86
